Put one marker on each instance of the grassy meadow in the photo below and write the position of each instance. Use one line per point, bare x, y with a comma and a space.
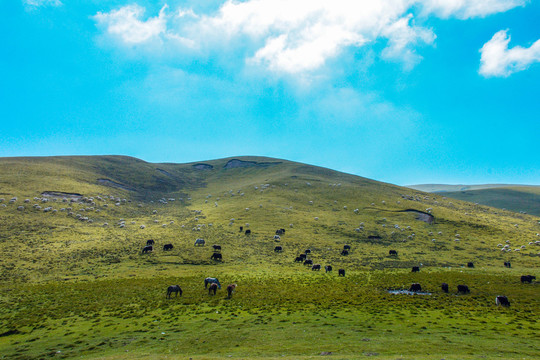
518, 198
75, 284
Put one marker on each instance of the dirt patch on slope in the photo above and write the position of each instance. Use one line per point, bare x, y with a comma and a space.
61, 195
235, 163
114, 184
202, 166
422, 216
166, 173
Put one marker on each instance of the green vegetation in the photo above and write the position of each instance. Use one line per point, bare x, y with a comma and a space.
518, 198
75, 288
440, 188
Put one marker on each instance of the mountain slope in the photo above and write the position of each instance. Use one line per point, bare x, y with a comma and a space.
441, 188
519, 198
74, 281
320, 207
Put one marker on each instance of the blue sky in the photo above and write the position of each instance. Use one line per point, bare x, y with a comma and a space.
402, 91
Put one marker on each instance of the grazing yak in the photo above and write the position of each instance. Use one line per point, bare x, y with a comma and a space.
167, 247
507, 264
344, 252
303, 256
316, 267
470, 265
298, 259
216, 247
463, 289
248, 232
415, 287
199, 242
308, 251
308, 262
230, 290
328, 268
392, 253
147, 248
527, 278
212, 288
444, 287
150, 242
415, 269
280, 231
341, 272
216, 256
278, 249
174, 289
502, 301
210, 280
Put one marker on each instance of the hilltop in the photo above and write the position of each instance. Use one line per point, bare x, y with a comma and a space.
74, 229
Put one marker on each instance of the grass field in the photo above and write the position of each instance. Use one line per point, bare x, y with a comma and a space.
519, 199
516, 198
75, 288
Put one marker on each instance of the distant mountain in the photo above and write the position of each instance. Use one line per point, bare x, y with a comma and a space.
519, 198
439, 188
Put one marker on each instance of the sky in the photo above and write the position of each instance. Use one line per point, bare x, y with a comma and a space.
400, 91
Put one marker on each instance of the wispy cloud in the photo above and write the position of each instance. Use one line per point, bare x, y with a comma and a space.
402, 36
126, 25
34, 4
466, 9
497, 60
296, 36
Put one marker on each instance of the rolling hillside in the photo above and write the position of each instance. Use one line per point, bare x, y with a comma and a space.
73, 229
441, 188
518, 198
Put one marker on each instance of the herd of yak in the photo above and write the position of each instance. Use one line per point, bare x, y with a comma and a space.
214, 283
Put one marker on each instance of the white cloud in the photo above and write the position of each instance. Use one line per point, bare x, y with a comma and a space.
346, 105
34, 4
126, 25
302, 35
498, 60
296, 36
401, 38
466, 9
186, 13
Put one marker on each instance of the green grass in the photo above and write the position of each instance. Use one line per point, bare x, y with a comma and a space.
347, 316
519, 199
77, 289
441, 188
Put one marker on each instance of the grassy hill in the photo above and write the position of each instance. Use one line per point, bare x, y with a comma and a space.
74, 281
440, 188
519, 198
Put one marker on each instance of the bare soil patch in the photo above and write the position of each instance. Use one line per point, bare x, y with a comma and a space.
61, 194
114, 184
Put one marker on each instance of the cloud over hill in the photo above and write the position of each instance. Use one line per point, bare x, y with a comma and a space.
293, 36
